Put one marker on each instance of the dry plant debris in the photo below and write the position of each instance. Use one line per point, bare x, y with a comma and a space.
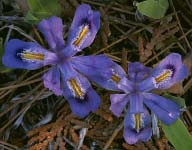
123, 39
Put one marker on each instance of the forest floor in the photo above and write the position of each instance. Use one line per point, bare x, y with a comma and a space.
47, 121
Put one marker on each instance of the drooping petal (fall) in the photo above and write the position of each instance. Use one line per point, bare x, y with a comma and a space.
76, 83
52, 80
99, 69
169, 71
118, 103
166, 110
78, 92
52, 30
137, 127
132, 137
84, 27
26, 55
82, 107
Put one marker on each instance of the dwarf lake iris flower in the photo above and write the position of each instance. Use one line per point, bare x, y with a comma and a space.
68, 74
141, 81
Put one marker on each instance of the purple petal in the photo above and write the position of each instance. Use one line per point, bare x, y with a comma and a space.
51, 80
126, 85
118, 70
83, 102
82, 107
118, 103
52, 30
67, 70
166, 110
131, 133
136, 103
78, 91
132, 137
84, 27
100, 69
26, 55
137, 71
130, 122
169, 71
146, 85
76, 83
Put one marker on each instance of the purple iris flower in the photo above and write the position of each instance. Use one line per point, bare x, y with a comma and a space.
141, 81
68, 74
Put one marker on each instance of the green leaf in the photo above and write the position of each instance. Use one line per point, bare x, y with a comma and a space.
179, 100
153, 8
178, 135
39, 9
31, 18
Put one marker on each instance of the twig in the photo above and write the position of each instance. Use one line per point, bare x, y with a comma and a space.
8, 34
70, 143
11, 18
18, 30
113, 8
169, 46
179, 23
11, 147
21, 111
19, 85
38, 36
124, 59
112, 44
187, 86
117, 130
21, 100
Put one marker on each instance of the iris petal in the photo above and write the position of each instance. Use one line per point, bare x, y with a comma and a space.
52, 30
100, 69
136, 103
83, 107
130, 121
79, 93
118, 103
126, 85
67, 70
137, 71
166, 110
131, 134
169, 71
84, 27
146, 85
26, 55
51, 80
132, 137
76, 83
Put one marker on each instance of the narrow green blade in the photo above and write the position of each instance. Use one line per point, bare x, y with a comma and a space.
178, 135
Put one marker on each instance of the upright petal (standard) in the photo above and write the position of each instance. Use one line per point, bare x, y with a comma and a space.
52, 80
52, 30
137, 71
118, 103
